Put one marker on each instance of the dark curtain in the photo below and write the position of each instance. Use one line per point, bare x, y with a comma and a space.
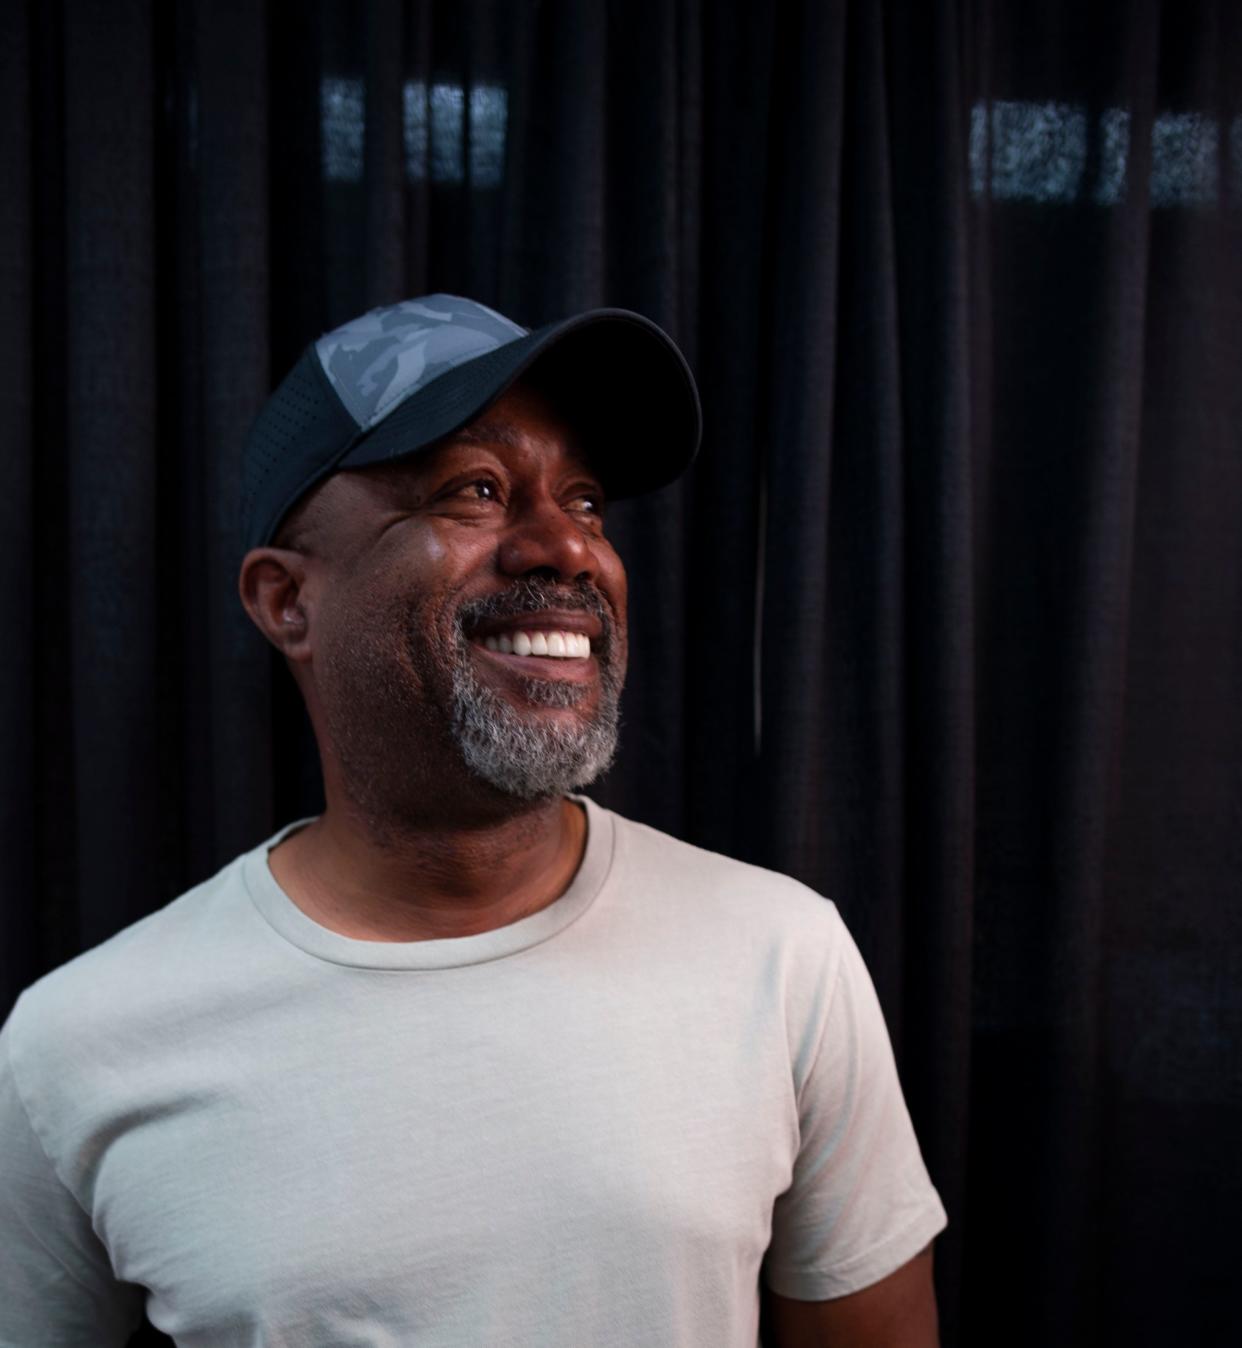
945, 622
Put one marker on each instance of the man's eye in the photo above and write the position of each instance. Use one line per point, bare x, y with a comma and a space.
592, 505
482, 489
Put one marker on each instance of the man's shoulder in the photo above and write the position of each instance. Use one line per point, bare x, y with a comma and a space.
153, 959
738, 890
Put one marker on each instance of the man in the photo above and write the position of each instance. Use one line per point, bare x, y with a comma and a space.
466, 1059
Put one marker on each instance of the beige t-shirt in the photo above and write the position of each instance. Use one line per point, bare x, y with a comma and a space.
599, 1125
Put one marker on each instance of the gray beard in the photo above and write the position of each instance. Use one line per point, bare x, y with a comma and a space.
533, 761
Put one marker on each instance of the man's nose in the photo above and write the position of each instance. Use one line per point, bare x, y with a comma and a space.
544, 537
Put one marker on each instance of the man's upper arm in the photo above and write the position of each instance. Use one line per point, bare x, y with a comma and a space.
899, 1311
860, 1204
56, 1281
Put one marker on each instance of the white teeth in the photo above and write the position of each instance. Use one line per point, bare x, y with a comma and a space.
558, 645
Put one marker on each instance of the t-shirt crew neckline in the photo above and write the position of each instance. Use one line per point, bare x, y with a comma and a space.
303, 931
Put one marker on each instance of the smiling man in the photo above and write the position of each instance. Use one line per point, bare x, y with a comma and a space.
466, 1059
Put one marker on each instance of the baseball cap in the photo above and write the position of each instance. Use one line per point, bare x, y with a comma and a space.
396, 380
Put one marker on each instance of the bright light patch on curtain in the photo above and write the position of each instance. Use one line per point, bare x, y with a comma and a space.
448, 115
1110, 183
979, 150
439, 140
489, 119
414, 127
1235, 161
1038, 151
444, 131
1045, 151
343, 111
1184, 163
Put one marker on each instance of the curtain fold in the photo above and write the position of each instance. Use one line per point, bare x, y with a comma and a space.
108, 347
939, 617
223, 196
21, 930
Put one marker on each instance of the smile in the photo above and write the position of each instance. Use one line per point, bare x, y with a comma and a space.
551, 645
530, 654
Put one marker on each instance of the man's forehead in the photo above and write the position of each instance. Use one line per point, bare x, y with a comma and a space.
492, 431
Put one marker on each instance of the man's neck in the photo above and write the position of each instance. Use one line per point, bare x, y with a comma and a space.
432, 882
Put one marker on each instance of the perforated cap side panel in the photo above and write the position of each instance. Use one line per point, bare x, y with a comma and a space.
298, 436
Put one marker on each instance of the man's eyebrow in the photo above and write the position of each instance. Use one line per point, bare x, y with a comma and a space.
487, 433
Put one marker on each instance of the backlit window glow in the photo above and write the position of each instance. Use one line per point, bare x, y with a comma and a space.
450, 134
1058, 153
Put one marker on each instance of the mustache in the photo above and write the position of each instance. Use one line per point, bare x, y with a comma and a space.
533, 596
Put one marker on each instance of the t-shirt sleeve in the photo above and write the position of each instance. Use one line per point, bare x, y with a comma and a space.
860, 1203
57, 1287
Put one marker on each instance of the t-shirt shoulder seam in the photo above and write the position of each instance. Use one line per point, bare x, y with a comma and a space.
141, 928
671, 839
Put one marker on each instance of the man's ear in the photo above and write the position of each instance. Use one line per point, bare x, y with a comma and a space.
272, 587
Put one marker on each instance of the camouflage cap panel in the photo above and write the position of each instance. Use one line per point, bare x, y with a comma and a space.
376, 361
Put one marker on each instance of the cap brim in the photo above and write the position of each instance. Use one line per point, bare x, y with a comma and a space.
614, 374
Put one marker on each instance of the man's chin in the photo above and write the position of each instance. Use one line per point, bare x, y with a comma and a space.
532, 782
531, 750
